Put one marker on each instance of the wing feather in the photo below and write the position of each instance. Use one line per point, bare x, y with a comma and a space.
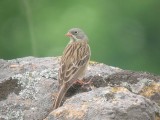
75, 56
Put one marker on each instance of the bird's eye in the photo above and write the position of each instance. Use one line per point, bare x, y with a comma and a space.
75, 32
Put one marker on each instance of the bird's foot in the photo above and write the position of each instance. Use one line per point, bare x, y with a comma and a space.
81, 82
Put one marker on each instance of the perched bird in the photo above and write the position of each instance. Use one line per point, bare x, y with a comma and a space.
73, 62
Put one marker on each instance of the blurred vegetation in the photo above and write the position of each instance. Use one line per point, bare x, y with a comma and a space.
122, 33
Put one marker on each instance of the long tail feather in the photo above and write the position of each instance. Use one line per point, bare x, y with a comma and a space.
60, 96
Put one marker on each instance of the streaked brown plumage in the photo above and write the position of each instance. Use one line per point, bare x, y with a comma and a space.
73, 63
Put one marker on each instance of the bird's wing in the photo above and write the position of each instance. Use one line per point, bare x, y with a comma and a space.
75, 56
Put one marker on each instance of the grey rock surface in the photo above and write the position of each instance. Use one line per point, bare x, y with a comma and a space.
107, 103
28, 87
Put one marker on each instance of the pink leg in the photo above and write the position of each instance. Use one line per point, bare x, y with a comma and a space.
82, 83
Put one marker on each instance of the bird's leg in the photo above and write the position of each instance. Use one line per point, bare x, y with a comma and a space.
81, 82
86, 86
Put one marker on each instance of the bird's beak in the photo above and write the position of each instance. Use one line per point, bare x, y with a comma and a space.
68, 34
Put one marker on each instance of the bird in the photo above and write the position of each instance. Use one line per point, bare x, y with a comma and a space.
73, 63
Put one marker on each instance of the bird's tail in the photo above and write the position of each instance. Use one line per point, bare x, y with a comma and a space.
60, 96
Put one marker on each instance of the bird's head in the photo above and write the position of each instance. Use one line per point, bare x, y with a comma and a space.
76, 34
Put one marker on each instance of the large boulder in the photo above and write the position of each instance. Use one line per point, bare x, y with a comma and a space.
28, 87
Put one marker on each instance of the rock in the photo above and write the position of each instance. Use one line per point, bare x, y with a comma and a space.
107, 103
28, 87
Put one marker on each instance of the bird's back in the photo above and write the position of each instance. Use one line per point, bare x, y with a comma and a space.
73, 61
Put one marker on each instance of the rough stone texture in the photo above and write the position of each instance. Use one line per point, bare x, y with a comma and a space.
107, 103
28, 87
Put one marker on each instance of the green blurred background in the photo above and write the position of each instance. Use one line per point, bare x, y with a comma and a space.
122, 33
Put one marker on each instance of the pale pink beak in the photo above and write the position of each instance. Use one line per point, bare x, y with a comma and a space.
68, 34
